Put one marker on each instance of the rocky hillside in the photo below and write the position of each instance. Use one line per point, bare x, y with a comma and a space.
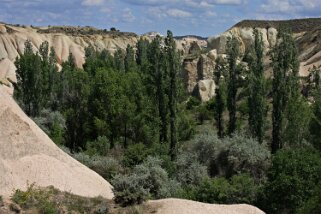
306, 32
198, 69
68, 39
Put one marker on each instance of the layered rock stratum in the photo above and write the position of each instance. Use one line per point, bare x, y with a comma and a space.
27, 156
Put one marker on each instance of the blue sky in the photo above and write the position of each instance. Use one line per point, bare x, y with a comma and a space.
198, 17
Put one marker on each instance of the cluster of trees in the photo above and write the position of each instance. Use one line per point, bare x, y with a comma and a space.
291, 114
131, 97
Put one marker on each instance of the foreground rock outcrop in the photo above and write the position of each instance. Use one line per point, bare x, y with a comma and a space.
177, 206
27, 155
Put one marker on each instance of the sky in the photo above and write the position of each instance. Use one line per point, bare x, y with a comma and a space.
183, 17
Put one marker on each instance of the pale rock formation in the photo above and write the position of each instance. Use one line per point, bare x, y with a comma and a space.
212, 54
245, 37
177, 206
206, 89
190, 73
196, 69
12, 41
27, 155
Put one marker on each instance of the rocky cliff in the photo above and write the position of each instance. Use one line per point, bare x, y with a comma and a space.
307, 34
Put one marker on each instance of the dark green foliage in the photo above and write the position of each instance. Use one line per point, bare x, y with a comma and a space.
119, 60
313, 205
142, 54
107, 167
75, 92
130, 63
53, 123
185, 126
203, 113
29, 87
100, 146
192, 103
291, 180
220, 99
232, 57
315, 124
172, 57
135, 154
158, 76
286, 93
257, 92
239, 189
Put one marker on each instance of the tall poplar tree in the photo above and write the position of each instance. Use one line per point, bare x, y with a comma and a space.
232, 56
220, 98
130, 63
29, 81
157, 73
257, 101
173, 69
289, 124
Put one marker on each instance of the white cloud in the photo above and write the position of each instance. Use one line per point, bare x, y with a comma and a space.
92, 2
228, 2
291, 6
177, 13
127, 15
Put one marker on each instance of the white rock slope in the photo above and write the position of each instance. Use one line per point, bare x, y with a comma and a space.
27, 156
179, 206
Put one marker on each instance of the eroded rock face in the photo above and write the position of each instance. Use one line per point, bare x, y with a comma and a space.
27, 155
245, 37
206, 89
198, 75
12, 41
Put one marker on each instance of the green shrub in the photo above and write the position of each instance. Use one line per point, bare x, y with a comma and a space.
245, 155
53, 124
203, 114
100, 146
313, 205
185, 126
239, 189
291, 180
232, 155
35, 197
189, 171
135, 154
212, 191
148, 180
192, 102
107, 167
130, 189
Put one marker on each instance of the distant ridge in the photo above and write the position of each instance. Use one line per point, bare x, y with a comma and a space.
297, 25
